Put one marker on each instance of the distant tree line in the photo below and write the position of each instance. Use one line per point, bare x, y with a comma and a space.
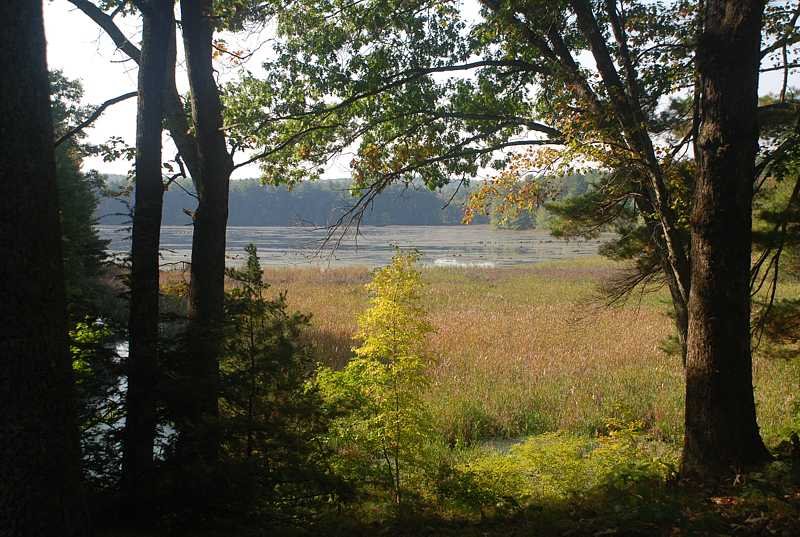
321, 203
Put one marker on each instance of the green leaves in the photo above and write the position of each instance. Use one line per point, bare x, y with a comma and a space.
403, 77
270, 410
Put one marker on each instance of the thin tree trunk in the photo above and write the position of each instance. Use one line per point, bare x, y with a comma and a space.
721, 431
206, 293
142, 363
40, 490
679, 307
628, 109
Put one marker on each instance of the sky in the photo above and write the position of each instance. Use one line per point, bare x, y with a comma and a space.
79, 48
82, 51
76, 46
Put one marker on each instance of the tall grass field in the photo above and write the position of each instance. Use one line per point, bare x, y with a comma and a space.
527, 350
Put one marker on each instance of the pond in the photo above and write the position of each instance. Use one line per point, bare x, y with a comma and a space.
455, 246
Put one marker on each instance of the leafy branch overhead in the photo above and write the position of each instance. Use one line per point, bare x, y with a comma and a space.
445, 91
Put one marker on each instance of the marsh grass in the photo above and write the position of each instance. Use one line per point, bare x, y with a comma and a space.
529, 350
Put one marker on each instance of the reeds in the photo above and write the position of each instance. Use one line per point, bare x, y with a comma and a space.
531, 349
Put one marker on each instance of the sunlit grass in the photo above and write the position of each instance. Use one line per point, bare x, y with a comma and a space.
531, 349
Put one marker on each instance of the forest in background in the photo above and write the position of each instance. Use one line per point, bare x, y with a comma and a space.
320, 203
323, 202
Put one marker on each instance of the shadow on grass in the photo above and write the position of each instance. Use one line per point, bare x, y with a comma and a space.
764, 503
333, 349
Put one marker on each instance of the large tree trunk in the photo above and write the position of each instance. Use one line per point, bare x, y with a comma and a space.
206, 292
143, 326
721, 431
40, 492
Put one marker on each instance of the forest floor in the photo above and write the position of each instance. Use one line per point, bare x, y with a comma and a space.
531, 363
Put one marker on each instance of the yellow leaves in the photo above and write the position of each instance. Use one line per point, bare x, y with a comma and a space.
517, 188
366, 163
220, 50
395, 325
384, 381
303, 151
560, 465
374, 160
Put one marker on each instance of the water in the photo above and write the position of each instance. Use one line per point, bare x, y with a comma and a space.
453, 246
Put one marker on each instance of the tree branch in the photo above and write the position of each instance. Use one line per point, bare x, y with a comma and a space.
618, 28
104, 21
93, 116
790, 37
406, 76
177, 123
633, 121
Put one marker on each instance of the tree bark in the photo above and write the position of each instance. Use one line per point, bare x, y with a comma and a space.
210, 173
143, 326
721, 431
206, 292
40, 490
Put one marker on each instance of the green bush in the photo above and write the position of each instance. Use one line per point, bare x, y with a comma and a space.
553, 468
271, 412
99, 392
273, 466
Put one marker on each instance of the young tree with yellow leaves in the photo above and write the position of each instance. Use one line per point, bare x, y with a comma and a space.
388, 424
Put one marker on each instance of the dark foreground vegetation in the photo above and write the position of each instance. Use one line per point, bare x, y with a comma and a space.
134, 402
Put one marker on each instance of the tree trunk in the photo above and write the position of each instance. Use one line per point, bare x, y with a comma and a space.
206, 292
628, 110
40, 491
142, 363
721, 431
679, 306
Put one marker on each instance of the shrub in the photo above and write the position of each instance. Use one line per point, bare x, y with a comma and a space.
559, 467
272, 469
99, 391
271, 411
